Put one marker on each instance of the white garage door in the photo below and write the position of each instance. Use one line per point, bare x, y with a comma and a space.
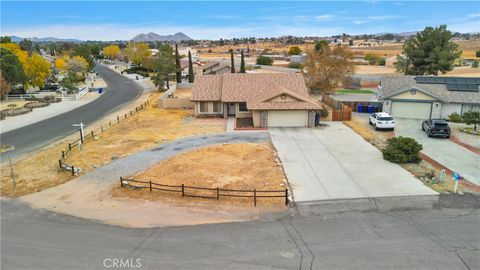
287, 118
415, 110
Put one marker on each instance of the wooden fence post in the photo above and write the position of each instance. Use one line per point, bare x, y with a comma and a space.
183, 190
286, 196
254, 197
118, 119
63, 154
150, 186
121, 181
73, 170
60, 163
69, 146
218, 194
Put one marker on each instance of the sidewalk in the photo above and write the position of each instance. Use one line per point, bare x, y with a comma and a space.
40, 114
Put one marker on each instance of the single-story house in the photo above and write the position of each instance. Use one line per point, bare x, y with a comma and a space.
270, 99
184, 65
424, 97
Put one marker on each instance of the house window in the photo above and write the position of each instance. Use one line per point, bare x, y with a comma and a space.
242, 107
203, 107
217, 107
470, 107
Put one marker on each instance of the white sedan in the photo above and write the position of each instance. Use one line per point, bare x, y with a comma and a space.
381, 120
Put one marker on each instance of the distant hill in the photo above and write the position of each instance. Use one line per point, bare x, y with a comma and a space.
156, 37
47, 39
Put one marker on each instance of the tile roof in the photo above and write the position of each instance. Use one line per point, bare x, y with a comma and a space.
256, 89
394, 85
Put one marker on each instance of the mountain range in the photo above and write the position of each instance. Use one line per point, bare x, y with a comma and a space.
156, 37
47, 39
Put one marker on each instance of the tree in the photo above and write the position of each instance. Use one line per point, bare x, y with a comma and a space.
165, 66
472, 117
5, 39
5, 86
326, 67
350, 42
150, 63
242, 63
232, 63
319, 45
475, 64
37, 70
137, 52
26, 45
178, 74
111, 51
15, 49
191, 75
295, 50
371, 58
12, 69
477, 53
264, 60
85, 51
430, 51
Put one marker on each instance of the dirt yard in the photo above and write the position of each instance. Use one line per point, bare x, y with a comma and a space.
145, 129
17, 103
423, 170
228, 166
184, 92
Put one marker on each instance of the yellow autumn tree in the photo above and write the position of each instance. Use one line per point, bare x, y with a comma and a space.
137, 52
111, 51
37, 69
60, 63
15, 49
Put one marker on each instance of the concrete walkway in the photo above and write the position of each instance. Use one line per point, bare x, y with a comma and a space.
445, 152
336, 163
88, 195
231, 124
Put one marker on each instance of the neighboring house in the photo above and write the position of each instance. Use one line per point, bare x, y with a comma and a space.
270, 99
424, 97
220, 70
184, 68
209, 67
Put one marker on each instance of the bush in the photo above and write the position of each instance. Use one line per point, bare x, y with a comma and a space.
295, 65
323, 113
475, 64
381, 61
402, 150
264, 60
455, 118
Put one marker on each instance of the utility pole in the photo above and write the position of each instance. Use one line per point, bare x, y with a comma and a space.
8, 150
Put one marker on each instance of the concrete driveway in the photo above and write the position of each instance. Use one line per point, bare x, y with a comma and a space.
336, 163
445, 152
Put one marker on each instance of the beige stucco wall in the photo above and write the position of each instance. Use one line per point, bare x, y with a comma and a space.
418, 96
240, 114
287, 98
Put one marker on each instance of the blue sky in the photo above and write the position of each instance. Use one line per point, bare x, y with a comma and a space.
95, 20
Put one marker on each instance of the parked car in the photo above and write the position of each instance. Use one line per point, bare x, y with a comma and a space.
436, 127
381, 120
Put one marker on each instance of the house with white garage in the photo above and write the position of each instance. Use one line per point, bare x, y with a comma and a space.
424, 97
269, 99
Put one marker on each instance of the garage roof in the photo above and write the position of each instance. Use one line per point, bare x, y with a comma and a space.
394, 85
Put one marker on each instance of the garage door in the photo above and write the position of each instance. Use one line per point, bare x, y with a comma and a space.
415, 110
287, 118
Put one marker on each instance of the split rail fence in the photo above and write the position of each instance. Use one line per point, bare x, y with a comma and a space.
91, 135
206, 193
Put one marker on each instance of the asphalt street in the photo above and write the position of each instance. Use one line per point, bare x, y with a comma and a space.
120, 91
446, 236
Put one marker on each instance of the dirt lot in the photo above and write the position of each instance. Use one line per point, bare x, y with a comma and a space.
19, 103
145, 129
421, 170
227, 166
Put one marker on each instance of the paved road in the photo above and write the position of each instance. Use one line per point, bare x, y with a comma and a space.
445, 152
336, 163
119, 92
439, 238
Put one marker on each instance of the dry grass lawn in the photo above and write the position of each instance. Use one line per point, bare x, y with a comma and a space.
184, 92
145, 129
228, 166
19, 103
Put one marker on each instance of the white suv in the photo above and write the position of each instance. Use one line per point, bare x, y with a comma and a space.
381, 120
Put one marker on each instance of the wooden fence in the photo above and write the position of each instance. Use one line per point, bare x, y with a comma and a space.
208, 193
91, 135
342, 115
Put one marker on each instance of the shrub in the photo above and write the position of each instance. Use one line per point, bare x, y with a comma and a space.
295, 65
402, 150
475, 64
264, 60
381, 61
323, 113
455, 118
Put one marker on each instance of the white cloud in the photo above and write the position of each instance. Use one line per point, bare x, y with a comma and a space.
467, 27
474, 15
381, 18
360, 22
324, 17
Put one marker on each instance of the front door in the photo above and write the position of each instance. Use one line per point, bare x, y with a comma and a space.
231, 109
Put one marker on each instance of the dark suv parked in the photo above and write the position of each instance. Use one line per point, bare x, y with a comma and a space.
436, 127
